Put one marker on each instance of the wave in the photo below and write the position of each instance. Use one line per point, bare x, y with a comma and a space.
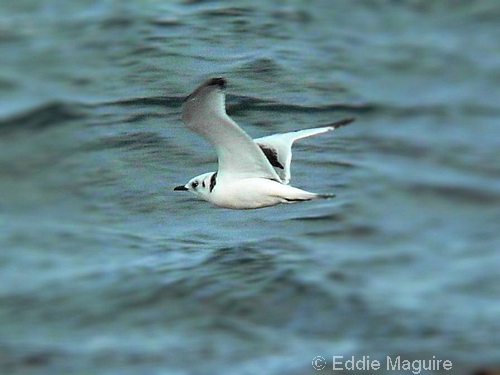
43, 116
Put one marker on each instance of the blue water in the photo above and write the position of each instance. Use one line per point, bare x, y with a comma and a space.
105, 269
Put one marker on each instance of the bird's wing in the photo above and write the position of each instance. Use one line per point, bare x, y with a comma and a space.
239, 157
278, 147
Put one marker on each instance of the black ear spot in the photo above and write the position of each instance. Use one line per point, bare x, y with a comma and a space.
203, 183
213, 181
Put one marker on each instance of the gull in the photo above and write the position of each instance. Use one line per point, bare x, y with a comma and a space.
251, 173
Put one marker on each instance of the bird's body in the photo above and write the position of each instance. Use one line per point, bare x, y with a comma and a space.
252, 173
255, 192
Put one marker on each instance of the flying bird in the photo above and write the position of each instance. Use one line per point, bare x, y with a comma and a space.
251, 173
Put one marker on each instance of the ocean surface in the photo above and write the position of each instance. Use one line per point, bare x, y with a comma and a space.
104, 269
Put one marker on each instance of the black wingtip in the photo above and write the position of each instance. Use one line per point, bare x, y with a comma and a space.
217, 81
343, 122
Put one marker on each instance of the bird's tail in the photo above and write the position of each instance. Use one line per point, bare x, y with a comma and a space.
298, 195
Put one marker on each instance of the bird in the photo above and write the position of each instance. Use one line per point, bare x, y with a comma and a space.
251, 173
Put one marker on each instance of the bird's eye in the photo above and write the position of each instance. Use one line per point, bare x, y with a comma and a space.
194, 184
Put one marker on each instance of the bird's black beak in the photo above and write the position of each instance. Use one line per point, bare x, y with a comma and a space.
181, 187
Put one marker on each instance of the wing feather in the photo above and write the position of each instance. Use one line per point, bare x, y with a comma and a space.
239, 157
278, 147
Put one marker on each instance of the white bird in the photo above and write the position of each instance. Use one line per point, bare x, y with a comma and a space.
251, 173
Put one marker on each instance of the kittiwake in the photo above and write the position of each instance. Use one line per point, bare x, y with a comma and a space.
251, 173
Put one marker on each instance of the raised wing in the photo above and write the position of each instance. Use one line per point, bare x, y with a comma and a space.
278, 147
204, 112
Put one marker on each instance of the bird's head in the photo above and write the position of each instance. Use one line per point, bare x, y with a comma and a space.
201, 186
